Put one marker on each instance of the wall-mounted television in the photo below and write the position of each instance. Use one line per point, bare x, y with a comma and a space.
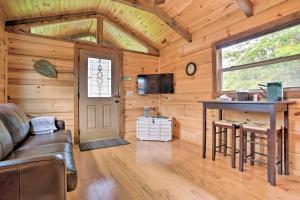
155, 84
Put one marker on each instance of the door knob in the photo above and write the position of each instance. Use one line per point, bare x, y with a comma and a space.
117, 101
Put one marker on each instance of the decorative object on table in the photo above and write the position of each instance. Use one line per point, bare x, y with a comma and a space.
264, 91
224, 98
244, 95
191, 69
154, 128
45, 68
43, 125
146, 111
275, 91
255, 97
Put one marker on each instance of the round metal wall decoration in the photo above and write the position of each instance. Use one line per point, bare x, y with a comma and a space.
191, 69
45, 68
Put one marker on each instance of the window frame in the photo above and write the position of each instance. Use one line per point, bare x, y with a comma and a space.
277, 25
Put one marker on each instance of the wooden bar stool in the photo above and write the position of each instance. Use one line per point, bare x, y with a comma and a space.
223, 126
261, 132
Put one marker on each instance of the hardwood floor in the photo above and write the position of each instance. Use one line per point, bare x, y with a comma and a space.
174, 170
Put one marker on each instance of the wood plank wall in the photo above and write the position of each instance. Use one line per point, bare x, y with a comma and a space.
183, 104
3, 61
37, 94
135, 64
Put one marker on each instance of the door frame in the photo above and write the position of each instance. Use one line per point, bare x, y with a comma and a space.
104, 50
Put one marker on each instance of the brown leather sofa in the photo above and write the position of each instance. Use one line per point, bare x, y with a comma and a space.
34, 166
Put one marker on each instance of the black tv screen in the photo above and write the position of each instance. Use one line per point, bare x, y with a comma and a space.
155, 84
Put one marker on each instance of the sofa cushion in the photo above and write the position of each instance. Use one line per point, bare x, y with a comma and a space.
15, 121
61, 136
63, 149
18, 110
6, 144
40, 150
42, 125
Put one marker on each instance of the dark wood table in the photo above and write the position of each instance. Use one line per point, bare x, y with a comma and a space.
255, 106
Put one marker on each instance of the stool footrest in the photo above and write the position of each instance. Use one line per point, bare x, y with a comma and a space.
261, 154
258, 161
259, 143
258, 137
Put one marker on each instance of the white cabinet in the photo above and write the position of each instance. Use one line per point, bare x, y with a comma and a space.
154, 128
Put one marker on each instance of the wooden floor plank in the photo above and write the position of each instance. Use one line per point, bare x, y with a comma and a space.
174, 170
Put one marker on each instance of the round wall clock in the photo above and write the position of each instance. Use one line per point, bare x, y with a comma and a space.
191, 69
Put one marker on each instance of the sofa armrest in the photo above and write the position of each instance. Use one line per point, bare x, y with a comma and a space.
60, 124
37, 177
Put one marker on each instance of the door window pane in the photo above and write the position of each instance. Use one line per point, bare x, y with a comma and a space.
99, 77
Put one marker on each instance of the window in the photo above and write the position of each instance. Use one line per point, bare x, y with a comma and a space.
271, 57
99, 77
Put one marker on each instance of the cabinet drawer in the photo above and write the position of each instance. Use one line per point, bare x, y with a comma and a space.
166, 138
143, 133
165, 126
154, 137
165, 122
143, 137
143, 129
154, 126
154, 133
143, 123
165, 133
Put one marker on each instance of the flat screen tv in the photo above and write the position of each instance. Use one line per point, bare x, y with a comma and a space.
155, 84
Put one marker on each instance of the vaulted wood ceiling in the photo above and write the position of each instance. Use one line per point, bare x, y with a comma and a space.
86, 29
186, 13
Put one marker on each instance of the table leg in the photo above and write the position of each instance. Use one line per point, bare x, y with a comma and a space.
241, 152
279, 152
225, 141
272, 147
204, 130
220, 115
286, 142
220, 131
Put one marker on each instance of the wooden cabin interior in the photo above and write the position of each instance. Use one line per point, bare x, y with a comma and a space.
149, 99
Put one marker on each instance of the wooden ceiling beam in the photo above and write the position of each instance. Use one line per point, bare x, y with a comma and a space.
23, 28
80, 35
246, 6
157, 2
100, 30
161, 14
105, 43
52, 19
139, 37
139, 4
